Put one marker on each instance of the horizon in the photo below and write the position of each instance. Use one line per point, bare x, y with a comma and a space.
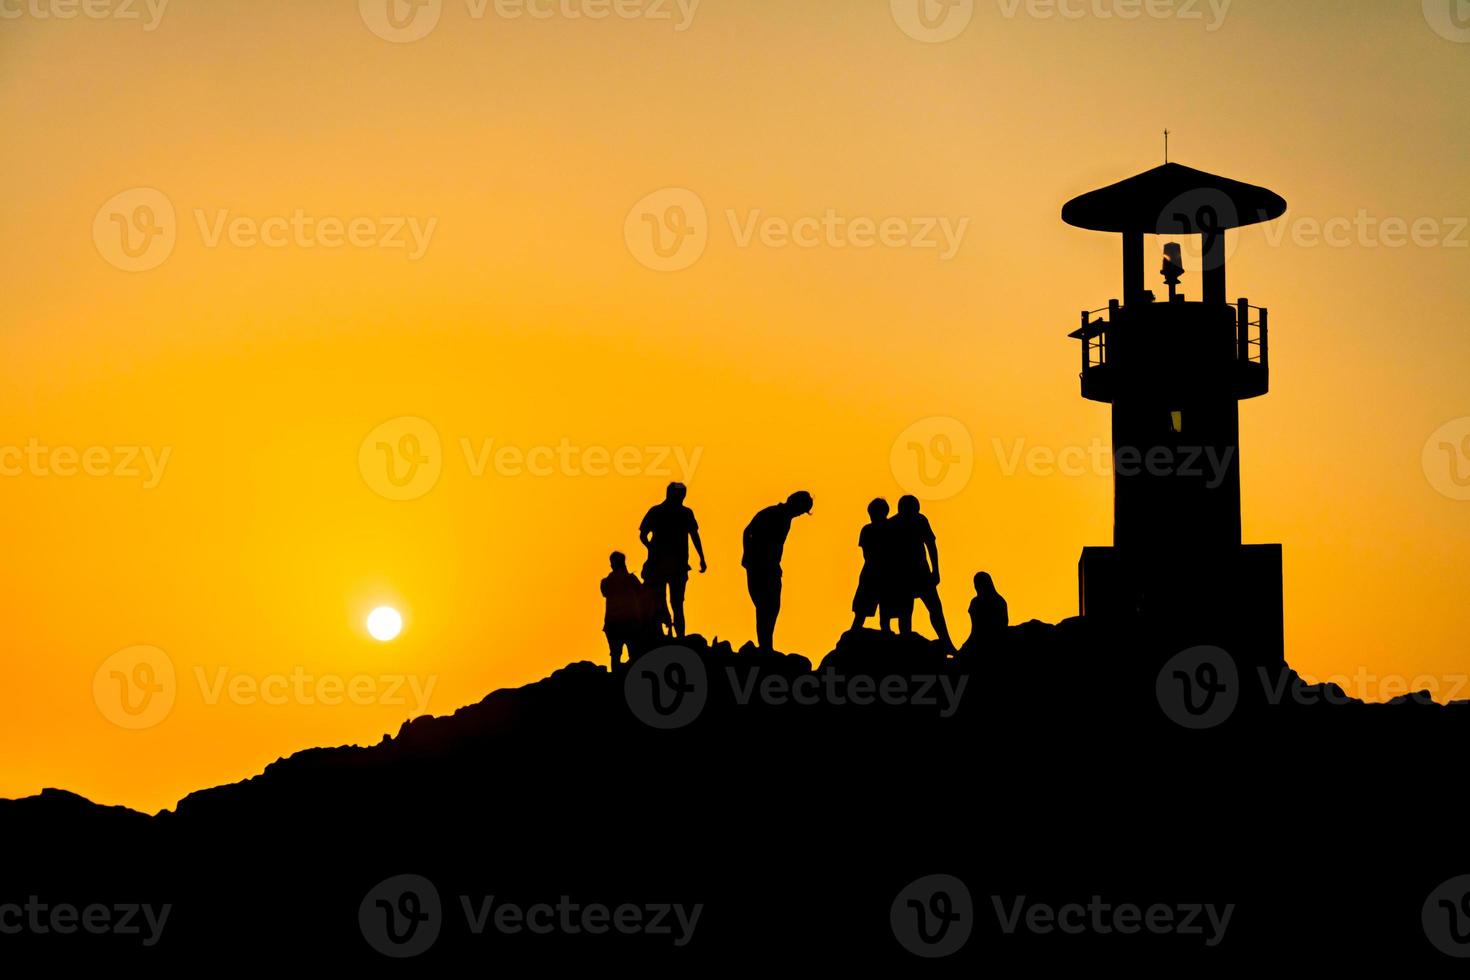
450, 238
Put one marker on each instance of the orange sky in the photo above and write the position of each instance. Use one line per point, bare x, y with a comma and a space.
251, 362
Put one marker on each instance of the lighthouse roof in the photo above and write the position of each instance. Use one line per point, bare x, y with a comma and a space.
1173, 199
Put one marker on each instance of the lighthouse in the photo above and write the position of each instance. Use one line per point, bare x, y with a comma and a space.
1174, 365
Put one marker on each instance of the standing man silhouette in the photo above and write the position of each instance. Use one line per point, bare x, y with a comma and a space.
623, 617
666, 531
915, 556
765, 542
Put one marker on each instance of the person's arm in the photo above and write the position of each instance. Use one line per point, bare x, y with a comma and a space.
645, 530
932, 547
699, 550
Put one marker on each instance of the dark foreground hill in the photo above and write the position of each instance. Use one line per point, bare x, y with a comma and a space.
1070, 799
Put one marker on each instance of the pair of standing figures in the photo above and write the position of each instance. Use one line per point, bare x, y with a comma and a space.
900, 564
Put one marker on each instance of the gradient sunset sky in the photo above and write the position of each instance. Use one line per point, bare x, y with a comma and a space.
219, 388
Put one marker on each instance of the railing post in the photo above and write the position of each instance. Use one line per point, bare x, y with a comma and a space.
1243, 329
1086, 343
1265, 348
1112, 311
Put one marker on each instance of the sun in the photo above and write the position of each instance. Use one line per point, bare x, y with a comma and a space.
384, 623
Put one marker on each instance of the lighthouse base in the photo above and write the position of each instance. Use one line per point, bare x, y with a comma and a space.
1230, 598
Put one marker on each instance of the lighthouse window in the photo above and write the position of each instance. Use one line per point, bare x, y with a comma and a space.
1176, 421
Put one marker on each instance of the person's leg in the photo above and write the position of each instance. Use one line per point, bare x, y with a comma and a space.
904, 612
936, 616
676, 599
614, 648
773, 606
758, 583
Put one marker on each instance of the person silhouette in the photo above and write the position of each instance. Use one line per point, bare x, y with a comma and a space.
622, 619
765, 542
653, 616
990, 617
666, 532
915, 559
873, 590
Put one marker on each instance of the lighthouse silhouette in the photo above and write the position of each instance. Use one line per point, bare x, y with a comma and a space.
1174, 371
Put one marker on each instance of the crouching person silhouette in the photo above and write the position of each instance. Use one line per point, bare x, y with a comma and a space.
623, 618
916, 568
765, 542
873, 590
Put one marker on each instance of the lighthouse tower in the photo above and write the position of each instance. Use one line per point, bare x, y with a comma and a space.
1174, 368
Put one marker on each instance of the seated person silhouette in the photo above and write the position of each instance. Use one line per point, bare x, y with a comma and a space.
915, 575
623, 618
765, 543
873, 591
666, 532
990, 618
653, 616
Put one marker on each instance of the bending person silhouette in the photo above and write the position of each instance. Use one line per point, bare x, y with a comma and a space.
915, 559
765, 542
873, 596
990, 618
623, 619
666, 532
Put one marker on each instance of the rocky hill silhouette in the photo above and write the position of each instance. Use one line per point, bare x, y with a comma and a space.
1075, 797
